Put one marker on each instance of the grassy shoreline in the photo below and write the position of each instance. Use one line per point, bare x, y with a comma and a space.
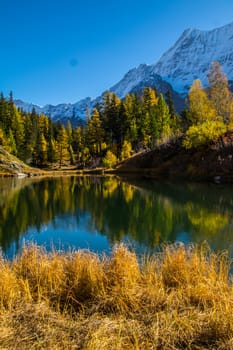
180, 298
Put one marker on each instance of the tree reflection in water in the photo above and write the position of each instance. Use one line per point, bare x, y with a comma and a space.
140, 211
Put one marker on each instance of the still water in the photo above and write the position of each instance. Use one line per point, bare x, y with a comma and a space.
97, 212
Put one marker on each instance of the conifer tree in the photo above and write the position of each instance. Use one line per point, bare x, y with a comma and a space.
62, 146
5, 116
11, 145
149, 104
51, 143
200, 107
44, 125
219, 93
17, 127
2, 139
95, 132
163, 118
111, 118
149, 99
131, 119
126, 150
40, 154
69, 131
52, 150
78, 142
207, 125
175, 121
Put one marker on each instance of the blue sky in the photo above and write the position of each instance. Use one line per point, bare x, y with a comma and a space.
55, 51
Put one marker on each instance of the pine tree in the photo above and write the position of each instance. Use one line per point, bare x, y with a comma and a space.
69, 131
132, 117
2, 139
5, 116
51, 144
29, 138
44, 125
40, 155
78, 142
52, 150
11, 145
95, 132
174, 117
149, 105
62, 146
111, 106
163, 119
17, 127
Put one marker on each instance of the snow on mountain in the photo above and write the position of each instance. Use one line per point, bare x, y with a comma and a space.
139, 78
136, 77
131, 79
27, 107
61, 112
191, 56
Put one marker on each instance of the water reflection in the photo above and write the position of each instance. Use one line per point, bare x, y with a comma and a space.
96, 212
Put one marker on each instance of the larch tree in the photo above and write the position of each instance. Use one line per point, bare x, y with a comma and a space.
149, 99
78, 142
207, 125
219, 92
62, 146
126, 150
40, 150
200, 107
2, 139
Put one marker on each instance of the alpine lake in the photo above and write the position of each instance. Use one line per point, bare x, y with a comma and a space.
96, 212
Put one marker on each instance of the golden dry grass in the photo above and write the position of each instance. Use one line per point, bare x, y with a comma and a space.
179, 298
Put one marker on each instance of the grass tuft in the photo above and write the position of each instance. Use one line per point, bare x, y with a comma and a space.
179, 298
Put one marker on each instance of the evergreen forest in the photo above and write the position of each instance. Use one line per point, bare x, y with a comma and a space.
116, 129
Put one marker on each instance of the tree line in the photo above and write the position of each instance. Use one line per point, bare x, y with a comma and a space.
116, 128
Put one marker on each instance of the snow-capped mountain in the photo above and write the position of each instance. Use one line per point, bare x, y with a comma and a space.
190, 58
75, 112
142, 75
139, 78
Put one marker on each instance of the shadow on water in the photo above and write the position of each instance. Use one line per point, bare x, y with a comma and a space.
96, 212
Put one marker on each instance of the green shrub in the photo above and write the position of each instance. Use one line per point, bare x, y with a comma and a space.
109, 160
204, 134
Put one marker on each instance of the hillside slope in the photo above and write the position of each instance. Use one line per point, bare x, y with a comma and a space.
173, 161
10, 165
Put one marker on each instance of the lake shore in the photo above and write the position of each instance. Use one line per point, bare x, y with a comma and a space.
173, 162
168, 161
180, 298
